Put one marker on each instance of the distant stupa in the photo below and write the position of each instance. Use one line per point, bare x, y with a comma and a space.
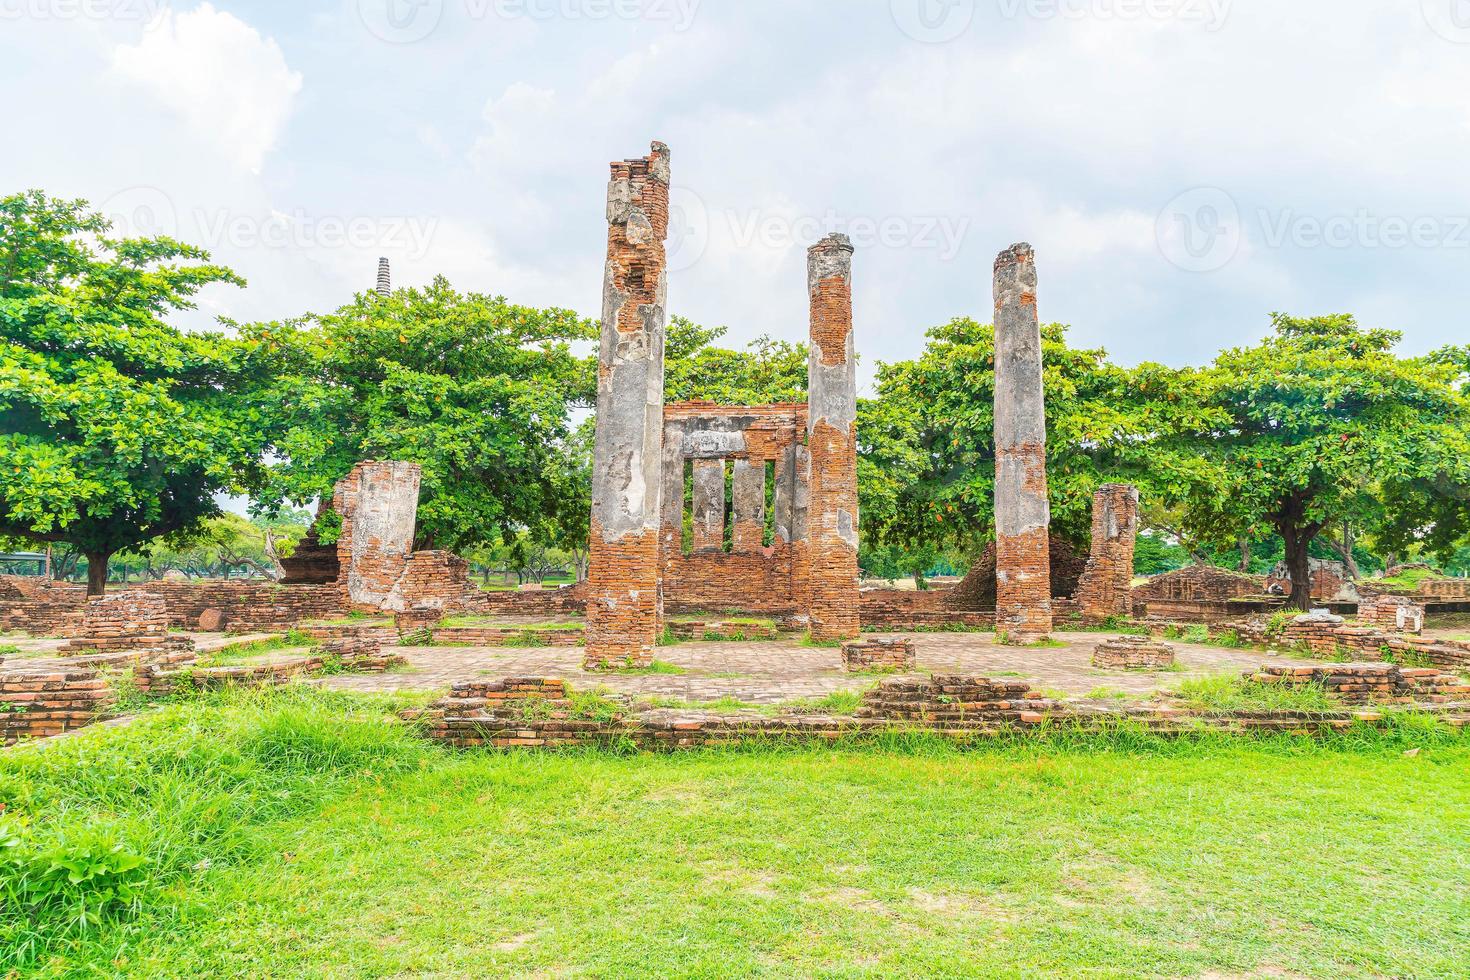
385, 279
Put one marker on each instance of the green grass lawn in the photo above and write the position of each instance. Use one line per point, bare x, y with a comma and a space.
300, 834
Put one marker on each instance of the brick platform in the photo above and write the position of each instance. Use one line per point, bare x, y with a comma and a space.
1132, 653
1363, 683
859, 656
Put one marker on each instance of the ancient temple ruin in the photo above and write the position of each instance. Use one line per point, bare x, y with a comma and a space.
799, 560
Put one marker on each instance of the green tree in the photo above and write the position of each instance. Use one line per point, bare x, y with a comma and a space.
118, 428
475, 389
926, 449
1322, 423
766, 372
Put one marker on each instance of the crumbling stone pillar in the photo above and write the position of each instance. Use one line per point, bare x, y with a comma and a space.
832, 442
624, 605
1022, 512
379, 505
709, 505
1106, 587
791, 522
748, 494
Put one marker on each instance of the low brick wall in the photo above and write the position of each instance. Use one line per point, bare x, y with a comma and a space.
245, 607
160, 680
859, 656
120, 621
43, 703
1368, 682
39, 606
1132, 653
542, 602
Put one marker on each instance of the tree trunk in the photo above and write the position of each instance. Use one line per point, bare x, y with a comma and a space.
1297, 542
1344, 549
1245, 555
97, 572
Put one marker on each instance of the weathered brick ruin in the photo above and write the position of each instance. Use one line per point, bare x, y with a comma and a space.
758, 443
1022, 511
860, 656
624, 607
42, 702
1200, 593
1329, 580
1362, 683
1327, 636
1106, 588
800, 560
1397, 614
1132, 653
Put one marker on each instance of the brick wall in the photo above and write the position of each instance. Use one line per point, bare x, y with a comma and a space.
1395, 614
246, 606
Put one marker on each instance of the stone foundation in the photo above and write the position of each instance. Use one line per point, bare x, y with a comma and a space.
43, 703
863, 656
1362, 683
1132, 653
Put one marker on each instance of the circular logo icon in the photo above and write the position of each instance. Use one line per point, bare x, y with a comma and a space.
400, 21
933, 21
140, 212
1450, 19
688, 229
1199, 231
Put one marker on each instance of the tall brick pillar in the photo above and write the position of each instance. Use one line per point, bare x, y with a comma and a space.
1022, 512
832, 443
1106, 586
624, 604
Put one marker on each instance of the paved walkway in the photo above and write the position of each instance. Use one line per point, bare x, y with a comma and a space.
770, 672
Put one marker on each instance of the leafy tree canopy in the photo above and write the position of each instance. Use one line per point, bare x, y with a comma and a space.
119, 428
475, 389
926, 459
1319, 423
766, 372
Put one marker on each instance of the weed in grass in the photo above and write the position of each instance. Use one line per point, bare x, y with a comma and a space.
845, 702
9, 650
1230, 692
656, 667
668, 638
807, 640
1197, 634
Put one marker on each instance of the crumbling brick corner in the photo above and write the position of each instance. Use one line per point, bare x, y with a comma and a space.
624, 605
1022, 511
1106, 588
832, 443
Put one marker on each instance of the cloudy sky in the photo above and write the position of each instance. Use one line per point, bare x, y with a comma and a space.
1183, 167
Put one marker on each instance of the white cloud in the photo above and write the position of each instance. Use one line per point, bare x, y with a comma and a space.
228, 82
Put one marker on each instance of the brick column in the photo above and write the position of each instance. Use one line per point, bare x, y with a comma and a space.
748, 492
1022, 512
832, 442
624, 605
1106, 586
709, 505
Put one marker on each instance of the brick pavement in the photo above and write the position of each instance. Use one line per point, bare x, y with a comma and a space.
770, 672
